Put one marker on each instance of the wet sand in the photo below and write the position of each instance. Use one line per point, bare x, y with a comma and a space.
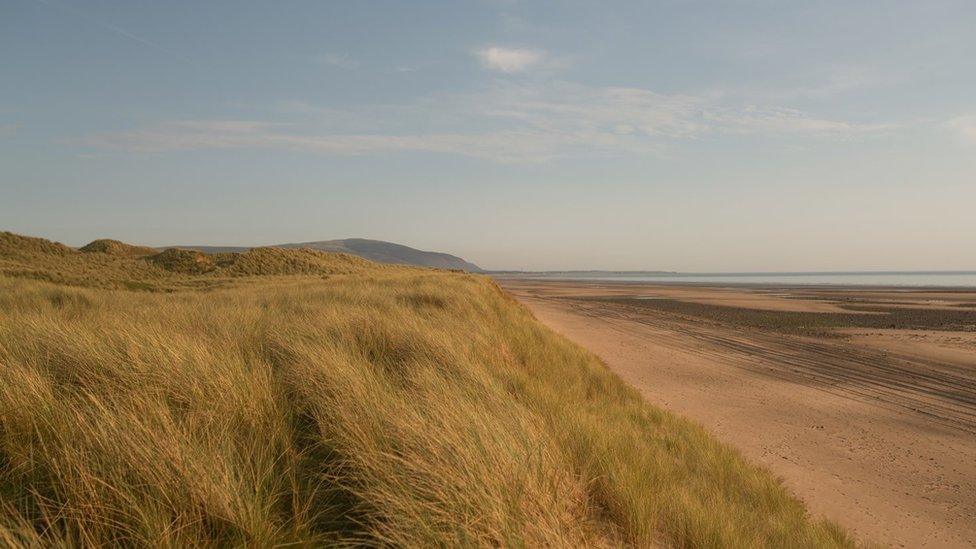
862, 400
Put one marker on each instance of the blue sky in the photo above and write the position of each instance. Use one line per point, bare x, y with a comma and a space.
687, 135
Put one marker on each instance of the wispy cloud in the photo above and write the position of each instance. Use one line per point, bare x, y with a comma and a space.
507, 123
509, 60
842, 79
771, 120
339, 60
112, 28
964, 127
640, 114
817, 83
502, 146
8, 130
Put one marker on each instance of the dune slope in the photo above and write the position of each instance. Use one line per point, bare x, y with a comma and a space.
371, 406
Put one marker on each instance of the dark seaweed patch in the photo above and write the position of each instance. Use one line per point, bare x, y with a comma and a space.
810, 323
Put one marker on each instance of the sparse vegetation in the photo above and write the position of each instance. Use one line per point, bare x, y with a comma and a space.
376, 406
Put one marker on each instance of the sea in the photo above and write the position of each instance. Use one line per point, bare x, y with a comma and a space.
912, 279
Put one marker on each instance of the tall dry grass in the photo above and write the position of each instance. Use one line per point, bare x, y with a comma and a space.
392, 407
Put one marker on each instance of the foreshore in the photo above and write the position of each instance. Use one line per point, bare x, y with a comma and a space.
862, 399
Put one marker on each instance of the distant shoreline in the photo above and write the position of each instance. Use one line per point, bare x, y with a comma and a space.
917, 280
733, 273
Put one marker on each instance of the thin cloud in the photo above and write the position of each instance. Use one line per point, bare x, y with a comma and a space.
642, 113
339, 60
507, 123
817, 84
509, 60
845, 79
502, 146
837, 80
756, 120
8, 130
964, 127
112, 28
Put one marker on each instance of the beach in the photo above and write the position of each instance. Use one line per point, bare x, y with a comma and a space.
863, 400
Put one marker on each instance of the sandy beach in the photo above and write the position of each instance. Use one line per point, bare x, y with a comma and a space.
862, 400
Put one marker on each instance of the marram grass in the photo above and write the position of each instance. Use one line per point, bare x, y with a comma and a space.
389, 406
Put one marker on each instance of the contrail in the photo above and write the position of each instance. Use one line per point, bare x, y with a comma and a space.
113, 28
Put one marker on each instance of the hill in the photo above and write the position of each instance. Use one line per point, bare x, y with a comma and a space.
388, 252
297, 397
373, 250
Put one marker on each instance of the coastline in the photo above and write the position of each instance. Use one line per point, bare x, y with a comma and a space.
840, 280
872, 428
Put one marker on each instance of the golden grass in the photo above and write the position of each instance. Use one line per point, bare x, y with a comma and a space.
391, 406
114, 264
114, 247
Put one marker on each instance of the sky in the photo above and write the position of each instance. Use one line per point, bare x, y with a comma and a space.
740, 135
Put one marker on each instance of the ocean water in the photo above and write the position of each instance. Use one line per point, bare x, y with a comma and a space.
947, 279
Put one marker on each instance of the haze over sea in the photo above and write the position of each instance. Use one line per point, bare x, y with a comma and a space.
915, 279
